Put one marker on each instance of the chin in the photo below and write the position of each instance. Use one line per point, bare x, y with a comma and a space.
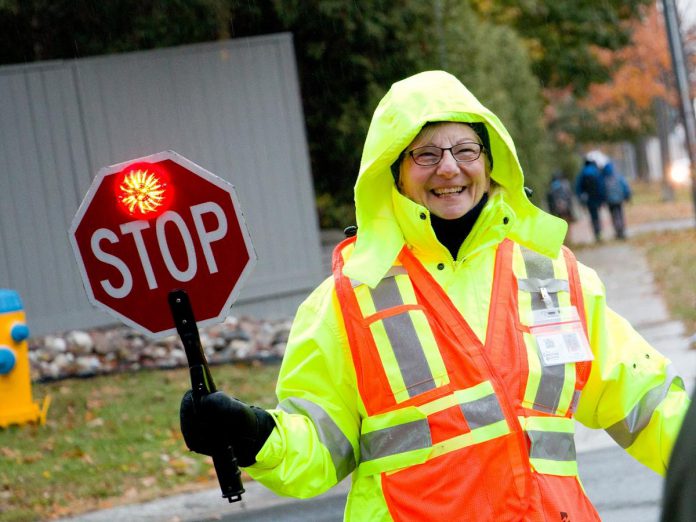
451, 213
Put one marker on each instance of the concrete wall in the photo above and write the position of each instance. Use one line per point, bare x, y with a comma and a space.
232, 107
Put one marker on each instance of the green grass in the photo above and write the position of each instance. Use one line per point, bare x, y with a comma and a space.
647, 204
110, 440
671, 256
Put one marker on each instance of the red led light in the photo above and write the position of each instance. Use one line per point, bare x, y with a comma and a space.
143, 191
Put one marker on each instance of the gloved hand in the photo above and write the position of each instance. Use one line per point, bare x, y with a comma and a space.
221, 420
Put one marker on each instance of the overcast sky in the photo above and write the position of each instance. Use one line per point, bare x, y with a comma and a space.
687, 12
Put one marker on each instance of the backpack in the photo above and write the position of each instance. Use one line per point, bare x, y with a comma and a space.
560, 198
615, 192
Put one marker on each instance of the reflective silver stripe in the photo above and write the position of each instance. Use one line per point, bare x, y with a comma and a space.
540, 268
395, 439
574, 401
401, 332
395, 271
386, 294
354, 283
330, 435
533, 285
551, 445
482, 412
550, 388
627, 430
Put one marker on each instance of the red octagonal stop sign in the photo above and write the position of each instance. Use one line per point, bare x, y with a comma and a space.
156, 224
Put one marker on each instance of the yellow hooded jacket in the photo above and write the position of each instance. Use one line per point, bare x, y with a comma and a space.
630, 392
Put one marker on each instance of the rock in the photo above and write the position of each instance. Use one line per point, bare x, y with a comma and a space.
79, 342
240, 348
219, 344
230, 322
56, 344
234, 335
168, 342
88, 365
281, 335
119, 348
50, 371
45, 355
63, 359
102, 346
278, 349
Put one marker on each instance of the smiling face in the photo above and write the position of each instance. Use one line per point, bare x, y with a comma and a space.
449, 189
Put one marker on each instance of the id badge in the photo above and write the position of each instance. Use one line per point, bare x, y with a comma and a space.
560, 336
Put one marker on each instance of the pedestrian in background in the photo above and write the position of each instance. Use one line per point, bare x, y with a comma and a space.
559, 199
444, 363
616, 192
589, 188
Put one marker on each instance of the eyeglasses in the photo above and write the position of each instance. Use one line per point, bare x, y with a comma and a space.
431, 155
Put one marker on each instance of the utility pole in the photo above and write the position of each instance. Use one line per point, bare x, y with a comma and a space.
441, 33
661, 109
680, 71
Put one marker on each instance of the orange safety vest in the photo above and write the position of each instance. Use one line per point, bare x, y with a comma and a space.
459, 430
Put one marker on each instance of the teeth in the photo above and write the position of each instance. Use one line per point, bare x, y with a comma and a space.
447, 190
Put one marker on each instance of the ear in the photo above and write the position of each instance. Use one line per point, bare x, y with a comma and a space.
396, 171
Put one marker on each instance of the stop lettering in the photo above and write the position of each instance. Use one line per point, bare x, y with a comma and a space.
132, 251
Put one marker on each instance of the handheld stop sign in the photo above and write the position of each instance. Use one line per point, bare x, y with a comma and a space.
155, 224
157, 239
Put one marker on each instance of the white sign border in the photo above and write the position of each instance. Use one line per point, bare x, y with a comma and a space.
203, 173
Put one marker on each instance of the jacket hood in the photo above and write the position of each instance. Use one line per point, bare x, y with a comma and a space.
411, 103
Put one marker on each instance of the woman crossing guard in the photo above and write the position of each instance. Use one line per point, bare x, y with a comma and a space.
443, 364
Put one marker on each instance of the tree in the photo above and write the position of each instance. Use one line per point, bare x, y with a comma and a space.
32, 30
562, 35
623, 107
349, 53
491, 60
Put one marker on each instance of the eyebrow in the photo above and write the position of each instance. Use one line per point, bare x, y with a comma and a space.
431, 144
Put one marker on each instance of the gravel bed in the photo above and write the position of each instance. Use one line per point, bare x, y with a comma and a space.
99, 351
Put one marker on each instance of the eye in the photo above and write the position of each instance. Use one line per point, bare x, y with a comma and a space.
466, 151
425, 155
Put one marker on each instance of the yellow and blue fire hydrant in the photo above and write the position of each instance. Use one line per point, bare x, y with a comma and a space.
16, 404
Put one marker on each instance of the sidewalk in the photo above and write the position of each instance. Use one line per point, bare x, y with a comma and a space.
630, 291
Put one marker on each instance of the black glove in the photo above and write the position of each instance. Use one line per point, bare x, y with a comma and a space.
221, 420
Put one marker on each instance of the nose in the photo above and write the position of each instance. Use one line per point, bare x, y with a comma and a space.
448, 166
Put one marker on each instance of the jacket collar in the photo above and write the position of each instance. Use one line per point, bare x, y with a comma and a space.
490, 228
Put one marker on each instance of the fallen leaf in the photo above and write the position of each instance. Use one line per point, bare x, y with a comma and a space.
148, 482
9, 453
96, 423
31, 458
87, 459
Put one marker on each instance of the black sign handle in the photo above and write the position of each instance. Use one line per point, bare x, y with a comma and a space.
202, 384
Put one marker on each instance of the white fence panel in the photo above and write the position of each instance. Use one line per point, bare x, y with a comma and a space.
233, 107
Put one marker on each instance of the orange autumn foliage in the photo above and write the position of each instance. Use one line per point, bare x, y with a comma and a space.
643, 72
